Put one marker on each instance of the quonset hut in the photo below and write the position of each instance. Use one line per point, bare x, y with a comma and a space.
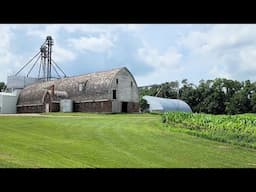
112, 91
158, 104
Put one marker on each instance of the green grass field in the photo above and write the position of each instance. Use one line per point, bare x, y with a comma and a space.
110, 141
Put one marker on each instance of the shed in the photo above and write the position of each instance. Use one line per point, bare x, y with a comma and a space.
8, 102
158, 104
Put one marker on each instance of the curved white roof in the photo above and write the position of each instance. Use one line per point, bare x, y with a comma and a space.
163, 104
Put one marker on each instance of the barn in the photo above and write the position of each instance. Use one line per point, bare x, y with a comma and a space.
112, 91
158, 104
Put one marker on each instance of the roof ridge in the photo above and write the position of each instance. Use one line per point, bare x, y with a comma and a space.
103, 71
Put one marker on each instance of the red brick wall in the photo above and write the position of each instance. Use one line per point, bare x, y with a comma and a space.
54, 107
132, 107
31, 109
99, 106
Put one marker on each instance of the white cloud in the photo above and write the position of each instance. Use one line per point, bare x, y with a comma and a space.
8, 60
62, 55
94, 44
53, 29
219, 36
155, 59
228, 49
217, 72
100, 28
248, 58
41, 31
164, 65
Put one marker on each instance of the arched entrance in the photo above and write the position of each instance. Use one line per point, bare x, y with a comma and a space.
47, 102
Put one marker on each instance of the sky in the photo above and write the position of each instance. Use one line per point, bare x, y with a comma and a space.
154, 53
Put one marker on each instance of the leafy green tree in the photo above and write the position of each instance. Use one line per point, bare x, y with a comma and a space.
239, 103
253, 102
143, 104
2, 86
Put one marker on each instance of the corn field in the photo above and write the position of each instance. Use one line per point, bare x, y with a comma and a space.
236, 129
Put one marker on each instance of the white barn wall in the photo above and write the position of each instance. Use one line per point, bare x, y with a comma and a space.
124, 91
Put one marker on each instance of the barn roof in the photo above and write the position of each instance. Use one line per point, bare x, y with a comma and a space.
93, 85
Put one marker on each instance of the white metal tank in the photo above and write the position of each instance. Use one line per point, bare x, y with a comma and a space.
8, 102
66, 105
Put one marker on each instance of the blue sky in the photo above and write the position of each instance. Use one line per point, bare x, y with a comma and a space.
154, 53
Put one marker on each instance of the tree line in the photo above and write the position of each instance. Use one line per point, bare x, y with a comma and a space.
218, 96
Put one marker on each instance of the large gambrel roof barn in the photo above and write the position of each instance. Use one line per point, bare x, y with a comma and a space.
107, 91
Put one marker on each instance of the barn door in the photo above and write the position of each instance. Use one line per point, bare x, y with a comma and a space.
124, 107
47, 108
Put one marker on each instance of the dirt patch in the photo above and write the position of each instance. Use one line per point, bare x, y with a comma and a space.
21, 114
223, 147
5, 156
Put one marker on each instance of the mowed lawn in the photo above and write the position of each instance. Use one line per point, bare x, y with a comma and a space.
110, 141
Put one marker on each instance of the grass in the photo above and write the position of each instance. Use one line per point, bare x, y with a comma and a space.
110, 141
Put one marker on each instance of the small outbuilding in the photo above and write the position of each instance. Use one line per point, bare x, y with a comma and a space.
158, 104
8, 102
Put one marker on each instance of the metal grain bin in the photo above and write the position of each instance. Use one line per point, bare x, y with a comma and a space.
66, 105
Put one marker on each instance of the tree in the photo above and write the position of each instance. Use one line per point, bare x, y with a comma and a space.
253, 102
239, 103
2, 86
190, 95
143, 104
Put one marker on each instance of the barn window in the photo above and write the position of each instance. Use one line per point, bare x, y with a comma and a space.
114, 94
80, 87
117, 81
131, 83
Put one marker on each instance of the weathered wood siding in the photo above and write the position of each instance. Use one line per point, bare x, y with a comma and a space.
31, 109
133, 107
97, 106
